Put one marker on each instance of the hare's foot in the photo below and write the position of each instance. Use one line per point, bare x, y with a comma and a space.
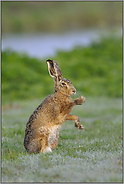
79, 100
46, 150
79, 125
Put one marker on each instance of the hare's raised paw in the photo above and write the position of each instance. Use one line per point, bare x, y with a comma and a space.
79, 125
80, 100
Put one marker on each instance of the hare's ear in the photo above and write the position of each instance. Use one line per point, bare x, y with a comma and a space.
54, 70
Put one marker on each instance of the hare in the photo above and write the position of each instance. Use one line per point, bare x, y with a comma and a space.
42, 129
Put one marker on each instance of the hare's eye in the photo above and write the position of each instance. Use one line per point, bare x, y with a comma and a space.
63, 84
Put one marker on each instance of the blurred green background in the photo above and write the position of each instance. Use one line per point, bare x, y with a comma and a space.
21, 17
94, 70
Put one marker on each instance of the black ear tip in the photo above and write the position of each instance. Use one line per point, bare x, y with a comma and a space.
49, 60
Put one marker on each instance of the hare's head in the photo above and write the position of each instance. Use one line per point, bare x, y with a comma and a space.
61, 84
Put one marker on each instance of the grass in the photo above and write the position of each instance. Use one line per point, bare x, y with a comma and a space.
30, 17
91, 155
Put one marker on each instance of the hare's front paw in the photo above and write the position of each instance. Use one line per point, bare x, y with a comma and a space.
79, 125
80, 100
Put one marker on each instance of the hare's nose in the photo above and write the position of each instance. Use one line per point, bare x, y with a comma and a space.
74, 91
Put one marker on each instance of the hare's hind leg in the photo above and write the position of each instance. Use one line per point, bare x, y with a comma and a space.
44, 141
77, 121
32, 143
45, 148
56, 141
55, 144
34, 146
38, 145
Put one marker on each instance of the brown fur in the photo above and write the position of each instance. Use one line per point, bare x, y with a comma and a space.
42, 129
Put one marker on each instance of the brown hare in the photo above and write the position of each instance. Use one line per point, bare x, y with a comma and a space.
42, 129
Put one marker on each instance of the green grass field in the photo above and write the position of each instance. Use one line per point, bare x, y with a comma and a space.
90, 155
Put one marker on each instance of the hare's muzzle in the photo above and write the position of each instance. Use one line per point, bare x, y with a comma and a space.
74, 91
71, 90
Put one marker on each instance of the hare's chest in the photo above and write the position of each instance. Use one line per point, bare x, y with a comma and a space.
53, 134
